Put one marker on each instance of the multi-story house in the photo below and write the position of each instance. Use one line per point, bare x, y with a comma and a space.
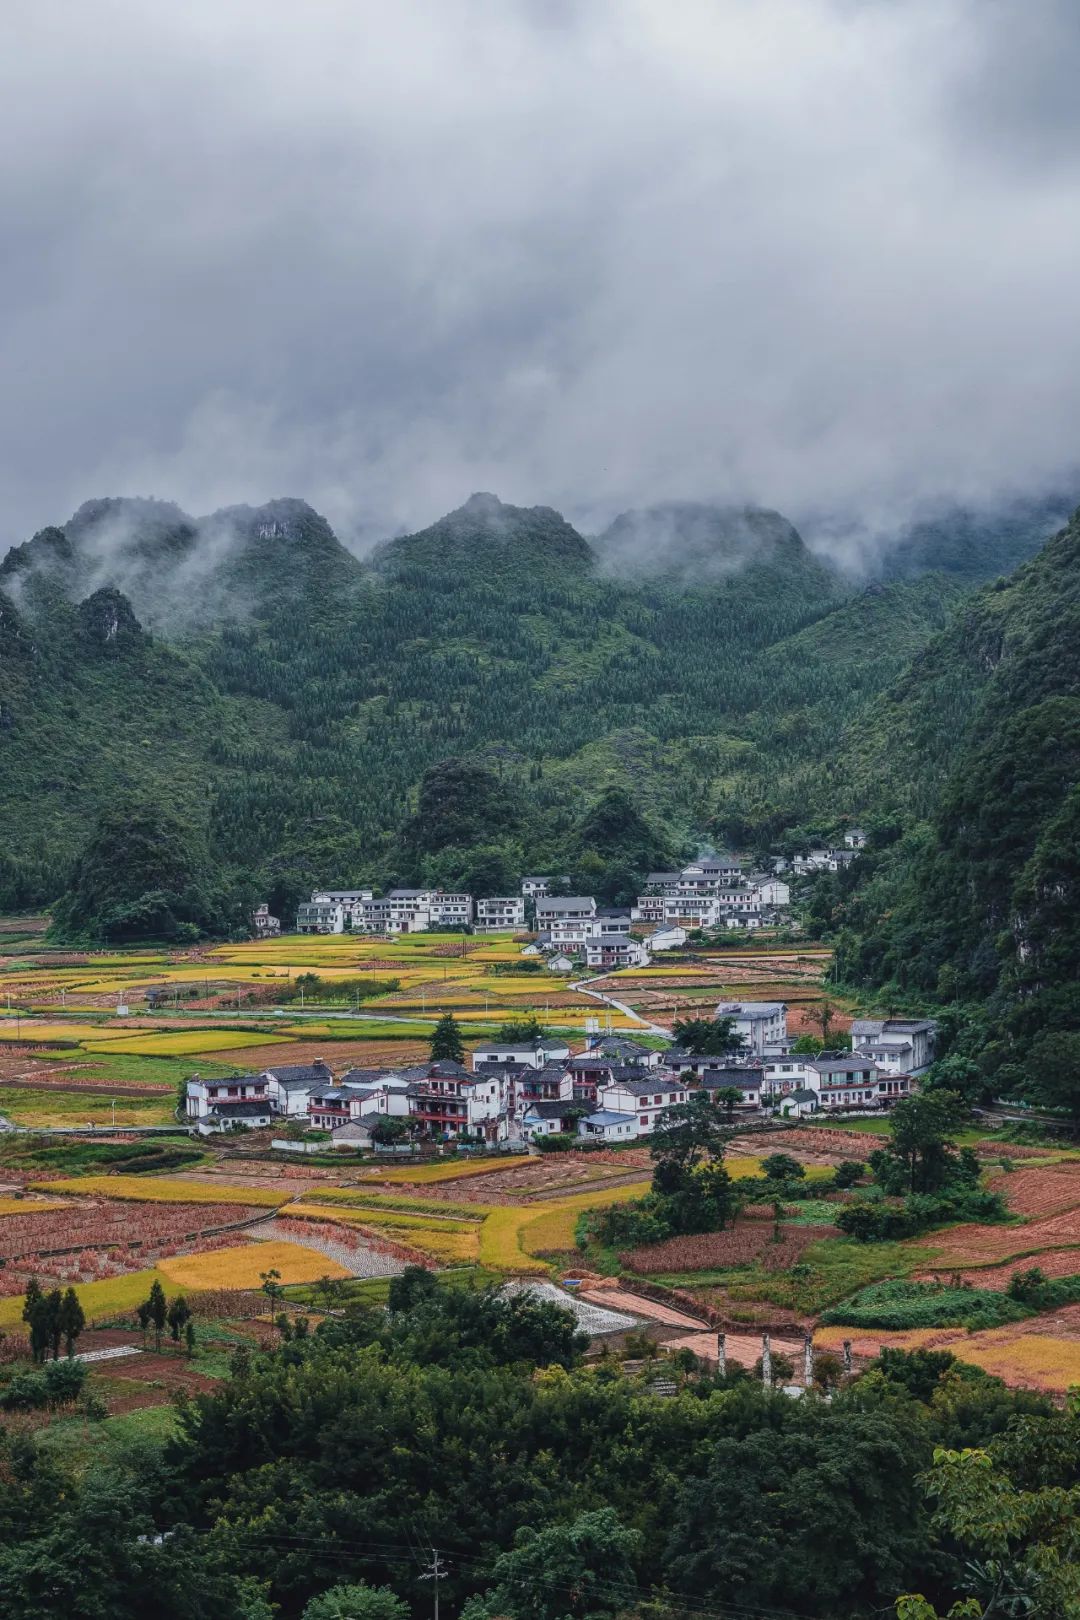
351, 901
450, 910
615, 951
533, 1054
289, 1086
842, 1080
643, 1100
240, 1103
450, 1102
750, 1081
759, 1024
572, 933
566, 908
855, 838
691, 911
770, 890
320, 917
263, 924
648, 908
500, 914
331, 1106
900, 1045
534, 887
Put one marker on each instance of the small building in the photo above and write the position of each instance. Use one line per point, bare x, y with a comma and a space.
667, 939
507, 1055
560, 963
533, 888
500, 914
855, 838
629, 1053
329, 1107
734, 1077
606, 1126
263, 925
842, 1080
798, 1104
566, 908
234, 1116
547, 1117
649, 908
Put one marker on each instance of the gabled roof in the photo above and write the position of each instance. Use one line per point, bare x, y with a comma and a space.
362, 1077
569, 902
643, 1088
605, 1117
300, 1074
446, 1069
240, 1110
555, 1109
749, 1009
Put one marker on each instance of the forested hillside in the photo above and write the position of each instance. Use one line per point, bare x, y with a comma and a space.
247, 677
972, 893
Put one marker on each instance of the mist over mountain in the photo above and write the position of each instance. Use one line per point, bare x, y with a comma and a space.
182, 573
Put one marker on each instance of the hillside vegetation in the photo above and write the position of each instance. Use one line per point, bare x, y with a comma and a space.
245, 676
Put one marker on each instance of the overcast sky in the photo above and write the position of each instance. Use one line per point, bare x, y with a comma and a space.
819, 254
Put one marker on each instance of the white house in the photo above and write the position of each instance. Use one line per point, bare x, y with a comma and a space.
615, 951
450, 910
545, 1117
320, 917
525, 1054
289, 1086
842, 1080
606, 1126
242, 1103
534, 887
567, 908
449, 1101
626, 1052
667, 939
351, 901
770, 891
900, 1045
644, 1100
758, 1023
263, 924
733, 1077
500, 914
560, 963
855, 838
648, 908
691, 911
574, 932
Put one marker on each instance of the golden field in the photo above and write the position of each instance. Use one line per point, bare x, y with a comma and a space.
165, 1190
244, 1265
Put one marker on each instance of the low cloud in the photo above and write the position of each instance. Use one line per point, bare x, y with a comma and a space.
809, 254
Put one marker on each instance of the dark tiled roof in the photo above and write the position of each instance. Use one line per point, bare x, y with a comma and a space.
556, 1109
301, 1074
240, 1110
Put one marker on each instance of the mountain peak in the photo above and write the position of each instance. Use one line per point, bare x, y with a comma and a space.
487, 535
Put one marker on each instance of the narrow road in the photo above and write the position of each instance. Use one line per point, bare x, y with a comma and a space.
581, 985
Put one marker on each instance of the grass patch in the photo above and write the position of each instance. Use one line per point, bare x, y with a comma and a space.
831, 1271
138, 1158
56, 1108
374, 1200
78, 1443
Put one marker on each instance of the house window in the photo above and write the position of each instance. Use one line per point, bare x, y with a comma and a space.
644, 1119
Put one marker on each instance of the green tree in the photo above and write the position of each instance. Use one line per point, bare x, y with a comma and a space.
356, 1602
583, 1570
782, 1167
460, 804
523, 1030
446, 1042
686, 1135
390, 1129
157, 1310
35, 1315
920, 1156
707, 1037
177, 1316
72, 1320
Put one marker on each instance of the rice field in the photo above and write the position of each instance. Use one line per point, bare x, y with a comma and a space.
31, 1206
1041, 1353
175, 1043
165, 1190
243, 1266
110, 1297
507, 1239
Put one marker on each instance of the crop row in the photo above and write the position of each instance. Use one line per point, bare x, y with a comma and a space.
166, 1190
746, 1243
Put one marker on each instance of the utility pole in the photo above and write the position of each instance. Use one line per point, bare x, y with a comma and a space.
435, 1573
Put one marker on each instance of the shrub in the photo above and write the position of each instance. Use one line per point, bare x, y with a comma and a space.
849, 1173
900, 1305
1041, 1293
58, 1383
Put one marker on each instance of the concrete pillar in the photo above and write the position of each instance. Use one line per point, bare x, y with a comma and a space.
721, 1354
848, 1366
766, 1361
808, 1360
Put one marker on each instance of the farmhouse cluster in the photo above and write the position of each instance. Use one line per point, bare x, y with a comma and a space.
613, 1091
710, 893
